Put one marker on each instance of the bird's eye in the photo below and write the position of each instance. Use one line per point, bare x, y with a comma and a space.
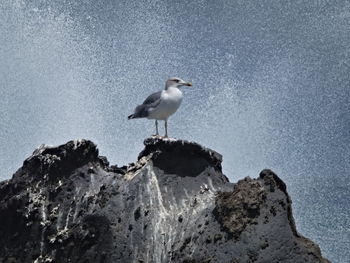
176, 80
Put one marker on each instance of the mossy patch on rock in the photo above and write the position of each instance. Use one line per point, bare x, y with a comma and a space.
237, 209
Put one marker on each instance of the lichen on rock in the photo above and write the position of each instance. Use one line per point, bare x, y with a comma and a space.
241, 207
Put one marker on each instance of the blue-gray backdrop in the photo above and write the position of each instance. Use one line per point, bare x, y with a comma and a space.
271, 88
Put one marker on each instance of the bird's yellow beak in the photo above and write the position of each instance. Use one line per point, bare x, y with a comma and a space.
188, 84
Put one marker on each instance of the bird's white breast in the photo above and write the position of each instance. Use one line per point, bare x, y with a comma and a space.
170, 101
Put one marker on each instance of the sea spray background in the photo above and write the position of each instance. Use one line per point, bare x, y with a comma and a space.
271, 89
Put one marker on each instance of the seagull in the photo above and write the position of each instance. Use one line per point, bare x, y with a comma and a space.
160, 105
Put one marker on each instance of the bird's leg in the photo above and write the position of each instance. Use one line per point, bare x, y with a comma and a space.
166, 128
157, 132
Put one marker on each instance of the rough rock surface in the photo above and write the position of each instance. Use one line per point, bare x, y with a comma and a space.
66, 204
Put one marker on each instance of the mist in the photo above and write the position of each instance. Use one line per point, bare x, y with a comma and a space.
271, 89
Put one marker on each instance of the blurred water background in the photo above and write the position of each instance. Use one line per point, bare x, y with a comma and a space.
271, 89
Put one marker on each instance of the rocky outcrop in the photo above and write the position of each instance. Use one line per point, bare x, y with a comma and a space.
67, 204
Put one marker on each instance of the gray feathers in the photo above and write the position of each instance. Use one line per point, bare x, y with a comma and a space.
152, 101
153, 98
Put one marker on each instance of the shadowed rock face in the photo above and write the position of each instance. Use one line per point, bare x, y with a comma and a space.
180, 157
66, 204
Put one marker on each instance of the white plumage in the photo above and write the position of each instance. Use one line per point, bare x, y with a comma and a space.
162, 104
170, 100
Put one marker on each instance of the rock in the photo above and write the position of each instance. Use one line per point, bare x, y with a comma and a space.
67, 204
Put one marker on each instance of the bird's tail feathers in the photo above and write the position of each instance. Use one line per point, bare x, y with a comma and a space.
132, 116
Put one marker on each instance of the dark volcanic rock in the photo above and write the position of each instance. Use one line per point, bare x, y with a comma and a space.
66, 204
180, 157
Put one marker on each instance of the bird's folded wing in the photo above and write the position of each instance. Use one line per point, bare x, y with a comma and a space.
151, 101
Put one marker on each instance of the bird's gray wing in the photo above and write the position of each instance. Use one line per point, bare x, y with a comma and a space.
151, 101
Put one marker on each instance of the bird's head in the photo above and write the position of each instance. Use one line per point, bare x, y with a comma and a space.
177, 83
